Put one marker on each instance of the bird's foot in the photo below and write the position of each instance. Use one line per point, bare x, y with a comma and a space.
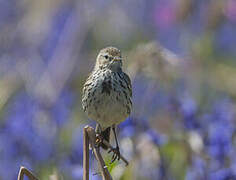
116, 154
99, 140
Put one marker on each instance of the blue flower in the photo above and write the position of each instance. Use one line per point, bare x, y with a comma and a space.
30, 130
59, 21
62, 108
197, 170
156, 138
222, 174
219, 140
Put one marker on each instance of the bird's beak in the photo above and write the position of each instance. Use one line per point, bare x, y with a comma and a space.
117, 59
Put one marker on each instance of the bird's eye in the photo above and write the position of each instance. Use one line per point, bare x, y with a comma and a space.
106, 56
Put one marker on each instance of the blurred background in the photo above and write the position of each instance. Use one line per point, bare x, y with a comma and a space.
180, 55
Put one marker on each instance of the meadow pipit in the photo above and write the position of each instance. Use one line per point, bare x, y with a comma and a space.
107, 95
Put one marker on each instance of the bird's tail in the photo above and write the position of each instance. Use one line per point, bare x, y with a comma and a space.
106, 135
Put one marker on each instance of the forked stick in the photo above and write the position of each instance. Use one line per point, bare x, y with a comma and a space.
90, 136
102, 166
85, 154
23, 171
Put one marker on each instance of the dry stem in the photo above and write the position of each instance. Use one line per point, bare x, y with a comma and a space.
85, 155
23, 171
102, 166
90, 135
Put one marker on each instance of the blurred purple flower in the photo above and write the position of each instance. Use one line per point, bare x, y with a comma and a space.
129, 127
197, 170
130, 121
156, 138
7, 64
62, 107
188, 106
219, 140
230, 10
165, 20
8, 12
222, 174
127, 131
188, 109
48, 46
22, 126
165, 14
30, 130
225, 39
77, 144
223, 110
141, 86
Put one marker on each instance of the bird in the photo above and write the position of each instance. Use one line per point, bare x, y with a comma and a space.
107, 95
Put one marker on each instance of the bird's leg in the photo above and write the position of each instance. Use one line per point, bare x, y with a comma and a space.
116, 150
114, 131
99, 137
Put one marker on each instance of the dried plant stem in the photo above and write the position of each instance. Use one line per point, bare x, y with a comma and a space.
102, 166
90, 137
85, 154
23, 171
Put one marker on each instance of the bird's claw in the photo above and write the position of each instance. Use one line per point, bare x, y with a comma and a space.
99, 140
116, 154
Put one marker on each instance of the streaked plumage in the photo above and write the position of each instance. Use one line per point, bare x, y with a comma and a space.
107, 92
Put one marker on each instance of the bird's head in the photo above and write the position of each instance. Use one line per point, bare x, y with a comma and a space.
109, 57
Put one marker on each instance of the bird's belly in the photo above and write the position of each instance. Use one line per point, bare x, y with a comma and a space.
108, 109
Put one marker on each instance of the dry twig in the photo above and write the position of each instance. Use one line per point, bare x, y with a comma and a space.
102, 166
85, 154
90, 136
23, 171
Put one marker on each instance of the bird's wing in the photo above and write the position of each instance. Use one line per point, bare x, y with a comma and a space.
86, 86
128, 82
87, 83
